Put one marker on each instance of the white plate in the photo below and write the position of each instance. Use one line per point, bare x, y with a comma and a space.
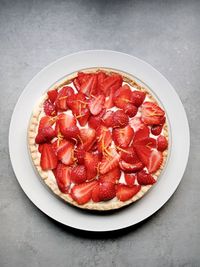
37, 191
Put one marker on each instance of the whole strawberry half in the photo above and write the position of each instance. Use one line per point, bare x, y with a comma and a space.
130, 110
124, 192
62, 174
95, 121
123, 136
106, 191
162, 143
137, 98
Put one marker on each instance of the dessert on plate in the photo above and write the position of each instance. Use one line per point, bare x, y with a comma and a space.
99, 139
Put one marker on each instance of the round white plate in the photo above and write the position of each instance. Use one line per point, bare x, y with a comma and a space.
38, 192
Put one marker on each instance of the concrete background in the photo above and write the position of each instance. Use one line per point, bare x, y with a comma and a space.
164, 33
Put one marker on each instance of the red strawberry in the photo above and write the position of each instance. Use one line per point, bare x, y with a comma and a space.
151, 113
49, 108
130, 110
162, 143
95, 194
106, 191
40, 147
101, 76
109, 103
66, 153
79, 154
82, 193
83, 116
145, 178
89, 86
88, 138
155, 161
136, 123
64, 121
148, 142
95, 121
141, 133
46, 134
83, 77
71, 132
52, 94
108, 118
143, 153
109, 161
77, 84
113, 81
124, 192
91, 161
130, 178
123, 136
58, 144
78, 174
48, 160
111, 176
156, 129
122, 96
63, 94
128, 167
120, 119
96, 104
137, 98
62, 174
129, 155
46, 121
104, 139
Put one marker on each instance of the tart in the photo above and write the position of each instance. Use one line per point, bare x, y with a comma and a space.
99, 139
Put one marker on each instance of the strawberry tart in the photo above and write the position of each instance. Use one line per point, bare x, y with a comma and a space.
99, 139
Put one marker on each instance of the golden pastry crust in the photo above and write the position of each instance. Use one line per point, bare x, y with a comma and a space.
48, 177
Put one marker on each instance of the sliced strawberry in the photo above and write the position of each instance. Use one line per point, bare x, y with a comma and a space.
151, 113
77, 84
104, 139
71, 132
123, 136
155, 161
113, 81
40, 147
137, 98
79, 154
64, 121
58, 144
91, 162
156, 129
129, 155
95, 121
130, 110
89, 86
108, 118
141, 133
46, 121
143, 153
83, 77
145, 178
124, 192
62, 174
66, 153
106, 191
88, 138
46, 134
131, 167
52, 95
101, 76
130, 178
95, 194
49, 108
122, 96
109, 161
83, 116
148, 142
96, 104
136, 123
162, 143
48, 159
109, 103
63, 94
78, 174
82, 193
120, 119
111, 176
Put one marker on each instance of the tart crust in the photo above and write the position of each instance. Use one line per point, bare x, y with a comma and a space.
48, 177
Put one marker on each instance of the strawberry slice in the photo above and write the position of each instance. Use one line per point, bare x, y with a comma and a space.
123, 136
130, 110
129, 155
104, 138
40, 147
147, 142
143, 153
64, 121
83, 116
101, 76
137, 98
128, 167
155, 161
88, 138
95, 194
111, 176
58, 144
48, 160
120, 119
66, 153
62, 174
136, 123
113, 81
89, 86
63, 94
109, 161
91, 162
49, 108
46, 134
108, 118
109, 103
46, 121
52, 95
124, 192
130, 178
145, 178
79, 155
82, 193
151, 113
95, 121
162, 143
142, 133
156, 129
78, 174
96, 104
71, 133
122, 96
76, 83
106, 191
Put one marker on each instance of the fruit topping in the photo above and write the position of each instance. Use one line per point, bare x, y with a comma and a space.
49, 108
120, 119
48, 160
44, 135
124, 192
122, 136
63, 94
96, 104
66, 153
111, 176
145, 178
112, 82
131, 167
130, 178
78, 174
156, 129
62, 174
122, 96
106, 191
52, 95
162, 143
109, 161
130, 110
91, 162
108, 118
71, 133
137, 98
151, 113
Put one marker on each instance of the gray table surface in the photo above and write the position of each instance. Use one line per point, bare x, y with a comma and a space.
164, 33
